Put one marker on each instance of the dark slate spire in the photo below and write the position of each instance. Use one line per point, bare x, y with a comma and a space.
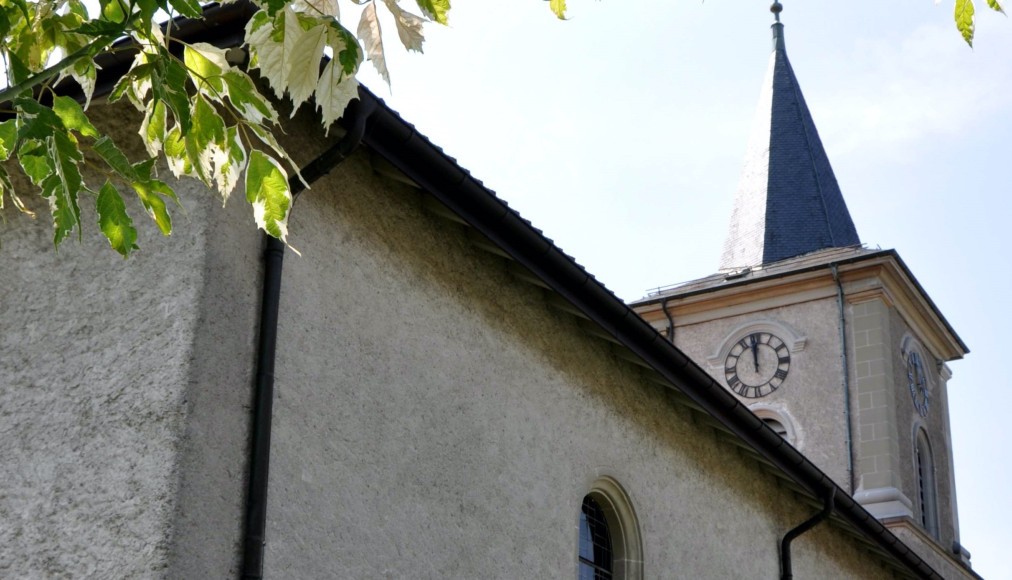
788, 202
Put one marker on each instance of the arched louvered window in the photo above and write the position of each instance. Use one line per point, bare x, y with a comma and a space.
595, 542
926, 490
776, 425
778, 420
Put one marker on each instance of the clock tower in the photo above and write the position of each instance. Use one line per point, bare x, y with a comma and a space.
835, 346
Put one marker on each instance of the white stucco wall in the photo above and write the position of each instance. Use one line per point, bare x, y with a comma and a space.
125, 389
94, 363
435, 419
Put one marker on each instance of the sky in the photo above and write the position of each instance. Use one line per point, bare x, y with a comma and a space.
621, 133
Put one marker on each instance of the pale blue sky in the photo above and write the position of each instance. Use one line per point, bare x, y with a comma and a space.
621, 133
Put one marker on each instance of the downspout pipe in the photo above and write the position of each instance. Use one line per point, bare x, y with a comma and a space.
846, 380
263, 399
671, 321
785, 545
255, 539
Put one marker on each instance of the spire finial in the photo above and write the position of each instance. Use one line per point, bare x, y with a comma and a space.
777, 27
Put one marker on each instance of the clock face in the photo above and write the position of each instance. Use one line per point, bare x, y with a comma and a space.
757, 365
918, 384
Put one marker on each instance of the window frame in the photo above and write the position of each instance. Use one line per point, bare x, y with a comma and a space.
623, 528
926, 483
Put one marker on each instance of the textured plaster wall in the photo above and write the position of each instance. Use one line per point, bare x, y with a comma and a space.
812, 396
125, 391
94, 365
435, 419
211, 497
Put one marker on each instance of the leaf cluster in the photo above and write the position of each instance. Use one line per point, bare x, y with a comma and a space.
965, 17
203, 114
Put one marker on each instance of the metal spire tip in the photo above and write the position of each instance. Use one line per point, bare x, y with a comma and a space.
776, 8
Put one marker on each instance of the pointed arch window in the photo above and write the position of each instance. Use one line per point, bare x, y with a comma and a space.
926, 491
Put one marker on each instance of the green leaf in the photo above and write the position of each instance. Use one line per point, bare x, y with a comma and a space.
207, 133
114, 221
274, 5
73, 116
85, 74
37, 122
19, 72
34, 160
964, 19
150, 193
205, 63
188, 8
244, 96
169, 85
267, 136
67, 155
100, 28
6, 186
267, 190
559, 8
63, 184
145, 15
175, 154
996, 5
23, 6
8, 138
229, 163
63, 207
142, 169
112, 10
5, 29
346, 49
135, 84
437, 9
153, 127
115, 158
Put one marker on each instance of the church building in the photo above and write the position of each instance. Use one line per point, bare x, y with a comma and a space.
435, 390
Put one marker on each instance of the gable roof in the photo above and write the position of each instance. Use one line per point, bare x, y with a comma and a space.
788, 202
542, 262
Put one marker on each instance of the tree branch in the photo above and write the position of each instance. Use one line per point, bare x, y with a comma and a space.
94, 47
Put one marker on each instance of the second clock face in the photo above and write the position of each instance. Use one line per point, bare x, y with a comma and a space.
918, 384
757, 365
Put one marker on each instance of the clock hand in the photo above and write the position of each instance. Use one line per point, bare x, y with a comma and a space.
755, 352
